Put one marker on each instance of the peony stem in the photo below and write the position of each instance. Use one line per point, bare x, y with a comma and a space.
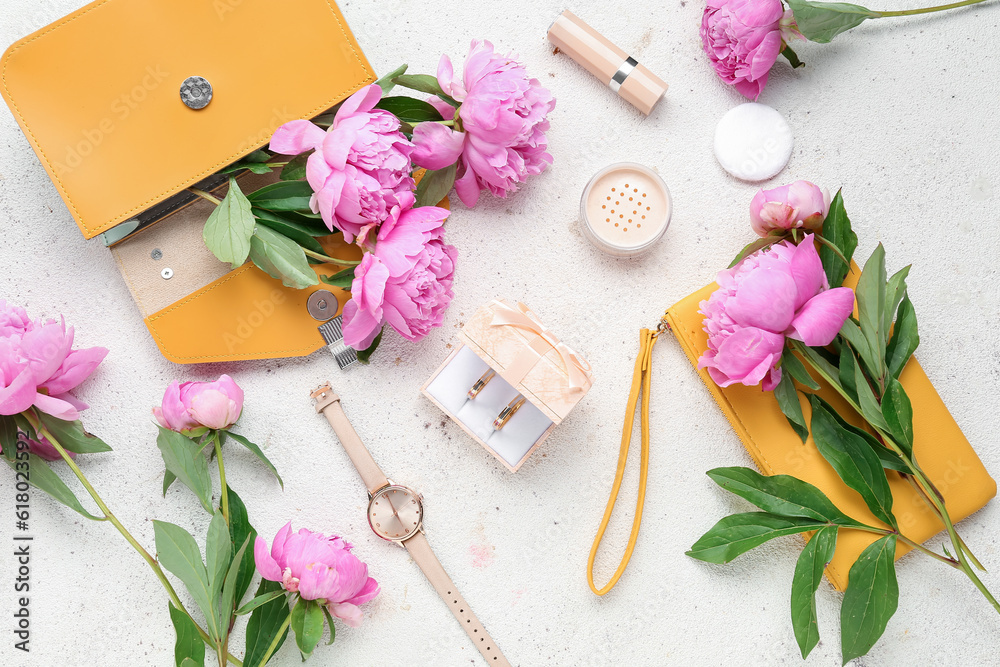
222, 476
330, 260
277, 638
930, 491
204, 195
915, 545
42, 431
927, 10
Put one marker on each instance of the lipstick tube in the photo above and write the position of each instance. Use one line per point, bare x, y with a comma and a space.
599, 56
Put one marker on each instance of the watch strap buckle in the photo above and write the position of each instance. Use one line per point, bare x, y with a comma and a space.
324, 397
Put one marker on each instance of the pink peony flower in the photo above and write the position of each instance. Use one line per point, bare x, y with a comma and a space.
401, 283
42, 448
360, 165
318, 568
499, 138
794, 206
193, 408
38, 365
743, 39
774, 293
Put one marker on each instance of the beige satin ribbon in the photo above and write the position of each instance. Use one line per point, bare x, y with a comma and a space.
522, 318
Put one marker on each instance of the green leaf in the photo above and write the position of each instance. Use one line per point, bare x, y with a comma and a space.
188, 647
894, 293
808, 575
178, 552
342, 279
72, 436
297, 221
870, 600
869, 405
264, 623
8, 436
847, 372
282, 258
780, 494
168, 479
409, 109
855, 462
364, 356
871, 307
295, 170
905, 339
333, 628
283, 196
435, 186
837, 230
258, 601
25, 426
790, 363
188, 662
184, 460
852, 334
258, 453
307, 624
44, 478
386, 82
218, 553
739, 533
822, 21
228, 602
889, 458
229, 227
792, 57
253, 162
240, 530
295, 232
753, 247
425, 83
898, 415
788, 401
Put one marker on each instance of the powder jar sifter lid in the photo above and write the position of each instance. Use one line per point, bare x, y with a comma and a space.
625, 209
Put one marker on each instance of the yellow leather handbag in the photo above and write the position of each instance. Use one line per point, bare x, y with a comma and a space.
98, 95
939, 445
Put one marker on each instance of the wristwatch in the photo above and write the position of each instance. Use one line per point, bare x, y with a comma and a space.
396, 514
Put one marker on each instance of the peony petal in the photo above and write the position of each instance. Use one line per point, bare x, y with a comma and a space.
58, 408
19, 395
807, 271
278, 546
467, 188
297, 136
765, 299
822, 317
360, 326
747, 355
437, 146
77, 367
348, 613
368, 591
214, 409
266, 565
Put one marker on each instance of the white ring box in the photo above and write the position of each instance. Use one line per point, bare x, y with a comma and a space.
529, 360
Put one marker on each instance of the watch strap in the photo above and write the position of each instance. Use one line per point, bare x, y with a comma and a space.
328, 404
420, 550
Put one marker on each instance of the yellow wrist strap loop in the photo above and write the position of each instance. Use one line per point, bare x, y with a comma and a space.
640, 381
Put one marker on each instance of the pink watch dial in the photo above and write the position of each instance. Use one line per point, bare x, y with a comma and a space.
395, 512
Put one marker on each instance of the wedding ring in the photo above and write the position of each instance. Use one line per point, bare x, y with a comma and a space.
508, 412
481, 383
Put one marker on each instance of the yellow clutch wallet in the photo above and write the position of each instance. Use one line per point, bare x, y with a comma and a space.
111, 98
939, 445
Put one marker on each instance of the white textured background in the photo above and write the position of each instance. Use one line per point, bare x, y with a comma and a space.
902, 114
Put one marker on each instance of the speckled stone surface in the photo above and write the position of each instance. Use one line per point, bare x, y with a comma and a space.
903, 115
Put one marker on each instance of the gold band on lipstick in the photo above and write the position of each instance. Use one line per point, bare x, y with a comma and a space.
508, 412
481, 383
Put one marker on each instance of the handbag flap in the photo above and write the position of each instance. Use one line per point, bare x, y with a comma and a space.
97, 93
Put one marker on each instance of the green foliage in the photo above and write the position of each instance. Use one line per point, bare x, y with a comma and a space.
184, 460
739, 533
364, 356
265, 622
435, 186
295, 170
188, 648
241, 531
752, 247
386, 82
808, 575
299, 233
425, 83
870, 599
790, 364
788, 401
822, 21
409, 110
281, 258
179, 554
342, 279
307, 624
258, 453
228, 229
44, 478
837, 230
282, 196
72, 436
904, 339
780, 494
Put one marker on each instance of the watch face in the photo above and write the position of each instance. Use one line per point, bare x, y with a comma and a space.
395, 512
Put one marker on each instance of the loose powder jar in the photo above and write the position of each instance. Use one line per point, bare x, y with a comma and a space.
625, 209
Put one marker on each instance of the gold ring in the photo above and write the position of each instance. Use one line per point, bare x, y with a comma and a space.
508, 412
481, 383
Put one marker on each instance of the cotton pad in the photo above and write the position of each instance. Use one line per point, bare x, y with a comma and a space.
753, 142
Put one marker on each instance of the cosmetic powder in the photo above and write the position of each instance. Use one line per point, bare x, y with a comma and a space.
625, 209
